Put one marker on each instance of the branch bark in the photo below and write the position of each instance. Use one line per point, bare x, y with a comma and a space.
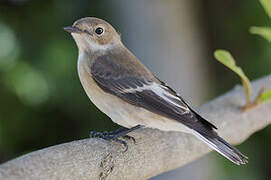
155, 151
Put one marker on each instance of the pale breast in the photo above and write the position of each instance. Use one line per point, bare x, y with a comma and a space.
118, 110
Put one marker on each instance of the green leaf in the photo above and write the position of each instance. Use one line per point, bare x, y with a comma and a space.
265, 32
226, 58
265, 97
267, 6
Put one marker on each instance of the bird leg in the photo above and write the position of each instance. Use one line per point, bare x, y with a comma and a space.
116, 134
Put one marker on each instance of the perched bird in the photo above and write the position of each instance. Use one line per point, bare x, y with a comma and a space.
126, 91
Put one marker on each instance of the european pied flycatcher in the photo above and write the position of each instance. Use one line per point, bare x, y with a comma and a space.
126, 91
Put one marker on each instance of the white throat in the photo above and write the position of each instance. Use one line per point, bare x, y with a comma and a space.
96, 47
85, 44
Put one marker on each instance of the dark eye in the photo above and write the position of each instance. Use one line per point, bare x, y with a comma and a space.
99, 30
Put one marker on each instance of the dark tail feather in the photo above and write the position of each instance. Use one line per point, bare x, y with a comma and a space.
224, 148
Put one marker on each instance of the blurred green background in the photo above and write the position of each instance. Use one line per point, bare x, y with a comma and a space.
42, 102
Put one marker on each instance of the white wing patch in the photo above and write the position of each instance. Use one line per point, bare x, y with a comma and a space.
160, 91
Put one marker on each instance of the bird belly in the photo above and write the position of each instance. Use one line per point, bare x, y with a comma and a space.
122, 112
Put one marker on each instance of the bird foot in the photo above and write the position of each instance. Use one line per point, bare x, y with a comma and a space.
116, 135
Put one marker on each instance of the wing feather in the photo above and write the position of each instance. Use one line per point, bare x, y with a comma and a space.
147, 92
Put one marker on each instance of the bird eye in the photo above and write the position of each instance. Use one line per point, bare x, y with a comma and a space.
99, 30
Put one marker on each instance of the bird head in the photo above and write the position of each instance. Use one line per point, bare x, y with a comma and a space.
93, 34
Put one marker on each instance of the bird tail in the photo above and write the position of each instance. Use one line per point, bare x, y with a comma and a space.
222, 147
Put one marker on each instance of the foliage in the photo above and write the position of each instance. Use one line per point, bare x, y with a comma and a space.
267, 6
226, 58
265, 32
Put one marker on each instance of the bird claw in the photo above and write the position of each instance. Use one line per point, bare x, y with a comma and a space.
110, 137
116, 135
129, 138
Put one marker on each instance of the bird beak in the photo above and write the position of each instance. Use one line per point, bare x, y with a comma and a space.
72, 29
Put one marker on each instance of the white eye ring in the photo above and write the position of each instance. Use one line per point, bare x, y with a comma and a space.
99, 30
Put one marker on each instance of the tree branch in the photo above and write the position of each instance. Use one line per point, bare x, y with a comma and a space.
155, 151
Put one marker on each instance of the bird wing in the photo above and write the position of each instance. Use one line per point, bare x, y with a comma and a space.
144, 91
